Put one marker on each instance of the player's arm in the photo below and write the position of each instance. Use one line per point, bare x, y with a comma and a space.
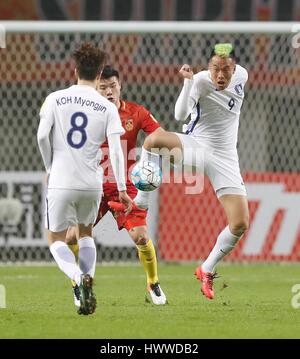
113, 133
43, 135
185, 102
118, 166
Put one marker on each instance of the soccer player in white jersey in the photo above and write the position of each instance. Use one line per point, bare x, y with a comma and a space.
213, 98
74, 122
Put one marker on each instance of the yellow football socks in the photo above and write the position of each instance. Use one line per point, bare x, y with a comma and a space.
75, 249
147, 256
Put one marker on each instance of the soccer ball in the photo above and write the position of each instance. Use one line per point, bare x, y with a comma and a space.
146, 176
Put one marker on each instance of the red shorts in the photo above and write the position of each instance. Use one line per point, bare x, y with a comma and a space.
136, 218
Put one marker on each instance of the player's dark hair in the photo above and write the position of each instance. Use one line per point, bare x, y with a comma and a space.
89, 61
108, 72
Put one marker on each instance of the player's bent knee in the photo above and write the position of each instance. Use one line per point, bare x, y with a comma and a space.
150, 141
157, 139
139, 236
238, 228
141, 241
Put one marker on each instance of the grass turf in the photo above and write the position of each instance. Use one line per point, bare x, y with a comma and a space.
252, 301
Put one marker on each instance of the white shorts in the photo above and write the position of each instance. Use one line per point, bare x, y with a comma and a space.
66, 208
222, 168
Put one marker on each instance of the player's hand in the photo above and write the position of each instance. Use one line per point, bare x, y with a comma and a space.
126, 200
186, 72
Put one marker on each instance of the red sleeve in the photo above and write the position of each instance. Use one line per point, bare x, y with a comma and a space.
148, 122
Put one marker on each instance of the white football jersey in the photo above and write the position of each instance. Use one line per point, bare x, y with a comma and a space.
80, 120
215, 115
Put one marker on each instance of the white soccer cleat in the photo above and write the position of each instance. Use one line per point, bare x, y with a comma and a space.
156, 294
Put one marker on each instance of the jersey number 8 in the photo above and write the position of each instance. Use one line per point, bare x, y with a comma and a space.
77, 128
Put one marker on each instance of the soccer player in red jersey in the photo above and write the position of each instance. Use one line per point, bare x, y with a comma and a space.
134, 118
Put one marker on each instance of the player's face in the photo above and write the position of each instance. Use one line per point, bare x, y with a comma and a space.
111, 89
221, 70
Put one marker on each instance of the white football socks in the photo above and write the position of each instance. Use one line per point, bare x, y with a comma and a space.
87, 255
66, 261
142, 198
224, 245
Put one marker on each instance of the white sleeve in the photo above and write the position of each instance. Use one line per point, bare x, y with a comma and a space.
184, 103
43, 135
117, 160
114, 124
190, 94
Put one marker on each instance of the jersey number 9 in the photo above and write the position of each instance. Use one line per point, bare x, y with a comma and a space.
231, 103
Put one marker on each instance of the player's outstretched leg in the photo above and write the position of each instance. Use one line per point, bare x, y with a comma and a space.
87, 298
146, 251
236, 209
147, 255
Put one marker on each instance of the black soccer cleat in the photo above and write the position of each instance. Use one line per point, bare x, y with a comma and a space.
87, 298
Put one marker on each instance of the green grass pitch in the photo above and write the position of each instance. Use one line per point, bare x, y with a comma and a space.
252, 301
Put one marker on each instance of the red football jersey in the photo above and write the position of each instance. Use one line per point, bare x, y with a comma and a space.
134, 118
